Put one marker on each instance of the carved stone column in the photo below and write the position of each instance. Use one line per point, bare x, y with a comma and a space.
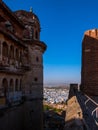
0, 85
0, 51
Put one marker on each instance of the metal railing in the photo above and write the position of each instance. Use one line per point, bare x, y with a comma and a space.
95, 109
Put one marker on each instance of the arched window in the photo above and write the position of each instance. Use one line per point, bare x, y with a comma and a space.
11, 52
20, 57
11, 87
16, 85
5, 86
37, 59
5, 49
35, 79
9, 26
36, 35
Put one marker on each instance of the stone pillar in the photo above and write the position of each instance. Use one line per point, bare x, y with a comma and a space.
0, 83
0, 51
8, 89
9, 54
14, 83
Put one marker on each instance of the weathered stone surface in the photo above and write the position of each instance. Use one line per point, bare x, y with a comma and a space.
21, 67
89, 72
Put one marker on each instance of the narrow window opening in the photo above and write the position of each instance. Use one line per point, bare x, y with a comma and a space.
37, 59
35, 79
36, 35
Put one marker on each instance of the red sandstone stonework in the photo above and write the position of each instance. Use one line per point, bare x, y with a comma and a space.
21, 66
89, 72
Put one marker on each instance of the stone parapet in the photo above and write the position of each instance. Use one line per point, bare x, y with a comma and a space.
74, 119
74, 116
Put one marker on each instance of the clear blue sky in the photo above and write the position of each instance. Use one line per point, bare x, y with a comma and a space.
63, 23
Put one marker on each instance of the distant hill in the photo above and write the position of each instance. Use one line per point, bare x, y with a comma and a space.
57, 86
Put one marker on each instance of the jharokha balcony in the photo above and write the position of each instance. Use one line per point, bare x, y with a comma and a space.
13, 65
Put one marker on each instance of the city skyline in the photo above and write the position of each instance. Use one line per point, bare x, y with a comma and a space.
63, 24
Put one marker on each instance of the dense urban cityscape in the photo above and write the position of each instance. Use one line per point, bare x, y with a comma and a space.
55, 95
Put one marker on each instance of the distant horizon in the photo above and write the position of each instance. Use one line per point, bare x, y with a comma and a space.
60, 84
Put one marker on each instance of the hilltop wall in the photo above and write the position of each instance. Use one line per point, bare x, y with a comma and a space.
74, 116
89, 69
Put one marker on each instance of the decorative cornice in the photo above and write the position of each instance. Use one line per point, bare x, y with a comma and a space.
36, 42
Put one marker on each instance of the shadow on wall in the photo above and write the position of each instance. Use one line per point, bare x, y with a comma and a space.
53, 120
74, 116
75, 124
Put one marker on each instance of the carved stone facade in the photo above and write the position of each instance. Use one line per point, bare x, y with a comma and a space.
89, 73
21, 59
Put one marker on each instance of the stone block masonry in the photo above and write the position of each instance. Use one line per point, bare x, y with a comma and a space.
21, 70
89, 71
22, 117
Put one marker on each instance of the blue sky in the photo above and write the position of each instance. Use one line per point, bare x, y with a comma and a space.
63, 23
